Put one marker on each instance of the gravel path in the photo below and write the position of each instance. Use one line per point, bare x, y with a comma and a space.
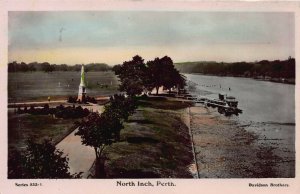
81, 157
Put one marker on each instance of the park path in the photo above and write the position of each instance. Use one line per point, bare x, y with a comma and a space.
36, 102
51, 102
81, 157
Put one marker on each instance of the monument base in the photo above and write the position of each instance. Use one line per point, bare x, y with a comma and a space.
81, 98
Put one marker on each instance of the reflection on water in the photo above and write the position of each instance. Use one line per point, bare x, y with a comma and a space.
260, 101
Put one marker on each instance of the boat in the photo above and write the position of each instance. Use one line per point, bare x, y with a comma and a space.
227, 105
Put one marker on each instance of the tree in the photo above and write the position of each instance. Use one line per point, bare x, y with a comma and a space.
23, 67
31, 67
161, 72
47, 67
131, 74
136, 77
154, 75
132, 86
99, 131
12, 67
172, 77
121, 107
40, 160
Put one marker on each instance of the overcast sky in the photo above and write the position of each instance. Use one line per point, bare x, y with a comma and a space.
115, 36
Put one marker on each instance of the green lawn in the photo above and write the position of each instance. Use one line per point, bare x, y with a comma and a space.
155, 143
39, 85
24, 126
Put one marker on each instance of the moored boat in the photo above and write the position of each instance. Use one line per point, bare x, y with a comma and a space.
226, 104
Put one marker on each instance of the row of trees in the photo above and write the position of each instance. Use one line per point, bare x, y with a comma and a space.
273, 69
47, 67
137, 77
101, 130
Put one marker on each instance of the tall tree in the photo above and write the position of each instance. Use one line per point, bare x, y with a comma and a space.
154, 74
120, 106
131, 74
161, 72
99, 131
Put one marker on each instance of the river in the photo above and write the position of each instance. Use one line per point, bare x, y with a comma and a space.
268, 113
261, 101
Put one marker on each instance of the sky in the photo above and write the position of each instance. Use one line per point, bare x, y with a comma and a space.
115, 36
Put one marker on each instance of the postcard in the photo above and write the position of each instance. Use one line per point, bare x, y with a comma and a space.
149, 96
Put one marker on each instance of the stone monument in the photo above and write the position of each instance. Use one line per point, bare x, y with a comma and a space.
82, 87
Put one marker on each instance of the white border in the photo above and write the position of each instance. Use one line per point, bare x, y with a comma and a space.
211, 186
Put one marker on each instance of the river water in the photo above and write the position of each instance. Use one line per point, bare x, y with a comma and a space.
268, 113
261, 101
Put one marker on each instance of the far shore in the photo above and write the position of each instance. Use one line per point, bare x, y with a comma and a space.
291, 81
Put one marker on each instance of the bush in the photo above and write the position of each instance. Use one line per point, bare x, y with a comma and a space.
72, 99
87, 99
69, 112
91, 99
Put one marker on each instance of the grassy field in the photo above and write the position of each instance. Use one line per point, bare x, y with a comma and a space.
39, 85
155, 143
24, 126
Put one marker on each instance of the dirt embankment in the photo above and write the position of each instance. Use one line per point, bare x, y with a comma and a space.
226, 150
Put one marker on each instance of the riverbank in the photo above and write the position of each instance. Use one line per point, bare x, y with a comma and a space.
225, 149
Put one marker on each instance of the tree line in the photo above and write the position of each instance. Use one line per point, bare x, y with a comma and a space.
137, 77
264, 68
47, 67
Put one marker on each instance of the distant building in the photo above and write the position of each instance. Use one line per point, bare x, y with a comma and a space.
82, 87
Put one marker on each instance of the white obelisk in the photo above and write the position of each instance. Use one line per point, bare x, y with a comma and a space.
82, 90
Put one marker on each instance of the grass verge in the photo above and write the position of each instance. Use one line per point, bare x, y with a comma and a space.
155, 143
